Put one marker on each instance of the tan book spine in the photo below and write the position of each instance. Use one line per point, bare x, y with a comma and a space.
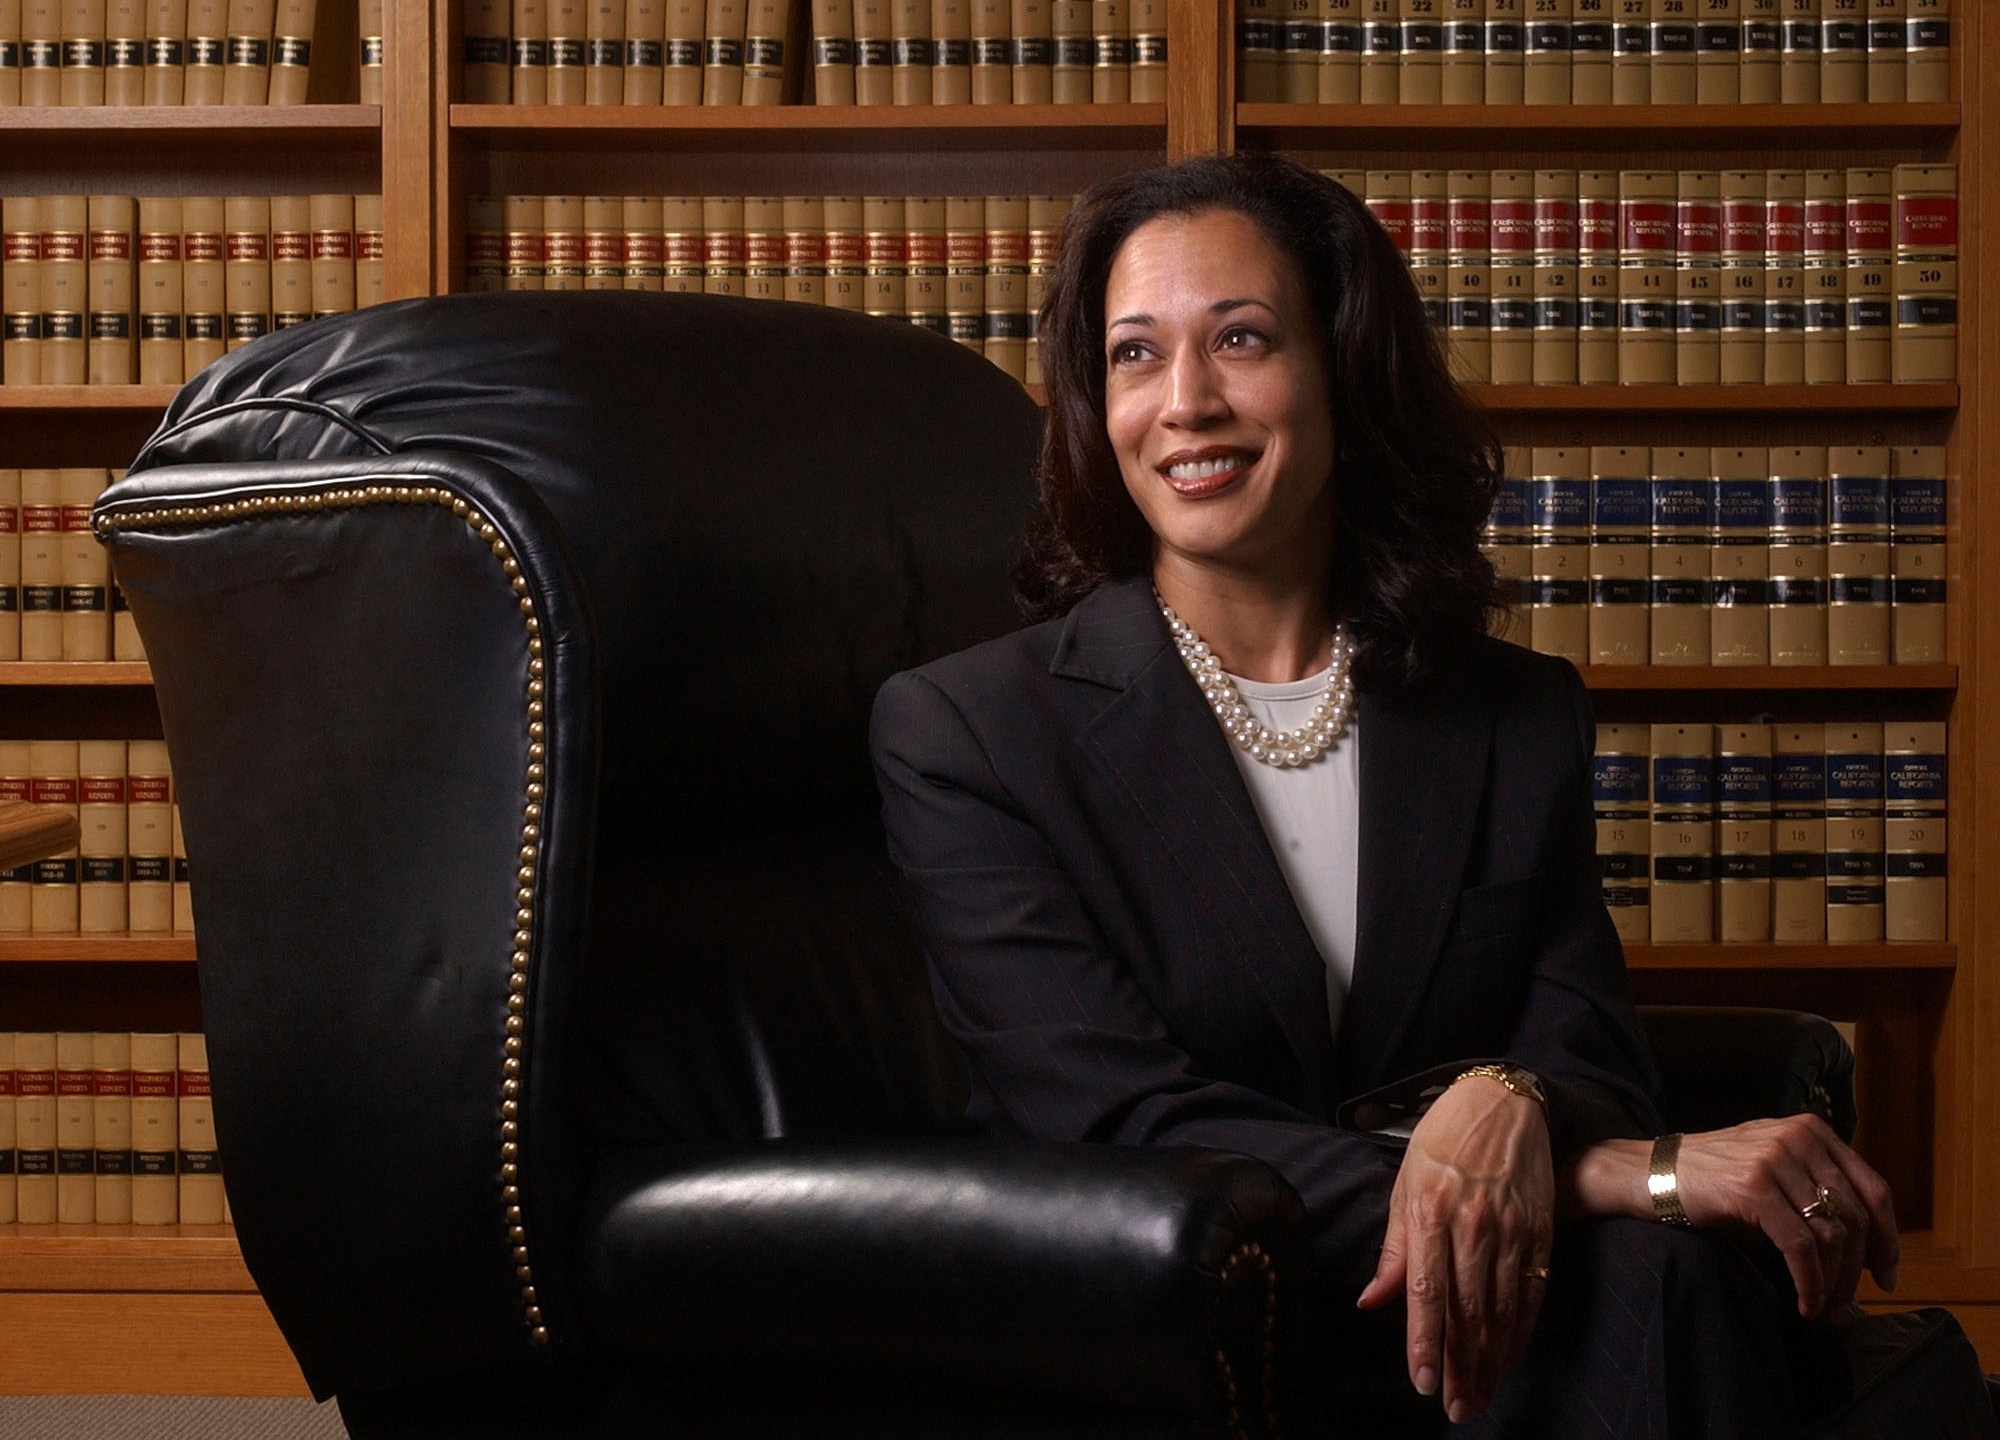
86, 568
16, 885
1683, 536
767, 59
1507, 540
199, 1164
805, 249
291, 261
183, 896
1148, 53
166, 51
1740, 350
604, 53
332, 221
10, 571
1698, 278
1718, 61
246, 271
992, 56
1414, 206
368, 252
1554, 300
1646, 206
1045, 219
81, 81
1743, 833
1798, 555
291, 52
1622, 800
965, 270
1854, 833
928, 260
723, 250
65, 274
35, 1127
1914, 802
21, 289
530, 52
833, 51
1621, 502
1302, 37
10, 95
1110, 52
1506, 51
1420, 65
52, 905
125, 641
875, 53
1798, 54
1885, 39
1870, 217
846, 253
884, 256
683, 245
1033, 51
1593, 48
682, 77
764, 247
207, 52
1759, 76
149, 838
526, 265
1339, 81
41, 564
1925, 344
1739, 627
160, 297
1843, 53
485, 245
1631, 52
910, 67
1825, 277
1511, 284
1259, 58
1682, 909
645, 52
111, 1126
1006, 295
1469, 274
568, 51
1561, 556
643, 220
1917, 554
1784, 277
951, 52
155, 1130
373, 45
1672, 63
125, 52
1927, 51
246, 73
562, 242
604, 242
9, 1143
1072, 52
76, 1183
488, 52
41, 52
1857, 555
1548, 40
1799, 835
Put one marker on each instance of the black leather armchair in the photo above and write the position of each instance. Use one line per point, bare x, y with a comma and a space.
574, 1068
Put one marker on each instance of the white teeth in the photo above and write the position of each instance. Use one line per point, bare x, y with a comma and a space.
1201, 469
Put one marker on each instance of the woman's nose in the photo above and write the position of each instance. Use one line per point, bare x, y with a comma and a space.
1194, 392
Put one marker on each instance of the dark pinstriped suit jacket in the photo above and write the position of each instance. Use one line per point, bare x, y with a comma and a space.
1115, 947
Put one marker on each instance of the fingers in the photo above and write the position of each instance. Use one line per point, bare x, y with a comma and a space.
1469, 1317
1426, 1286
1392, 1268
1884, 1244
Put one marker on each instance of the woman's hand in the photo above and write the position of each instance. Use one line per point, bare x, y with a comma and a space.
1760, 1175
1472, 1211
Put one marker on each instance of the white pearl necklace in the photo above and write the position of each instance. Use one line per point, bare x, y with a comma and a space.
1272, 747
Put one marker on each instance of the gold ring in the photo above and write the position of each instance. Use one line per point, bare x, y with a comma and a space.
1534, 1272
1824, 1204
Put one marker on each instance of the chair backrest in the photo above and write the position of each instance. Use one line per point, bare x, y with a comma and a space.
515, 654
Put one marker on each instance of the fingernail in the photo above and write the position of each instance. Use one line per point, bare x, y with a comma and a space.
1460, 1412
1427, 1380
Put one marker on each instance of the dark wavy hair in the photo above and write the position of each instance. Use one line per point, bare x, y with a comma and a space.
1415, 466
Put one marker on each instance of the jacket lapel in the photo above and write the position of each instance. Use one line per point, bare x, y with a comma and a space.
1423, 770
1156, 742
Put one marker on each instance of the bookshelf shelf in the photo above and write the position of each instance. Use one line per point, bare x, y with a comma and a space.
1743, 956
1616, 678
287, 125
1731, 399
780, 127
75, 672
1472, 127
174, 1258
97, 399
97, 949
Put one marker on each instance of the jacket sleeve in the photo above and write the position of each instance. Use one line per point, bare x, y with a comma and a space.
1063, 1044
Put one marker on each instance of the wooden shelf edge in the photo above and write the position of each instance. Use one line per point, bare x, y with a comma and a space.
1613, 678
128, 1258
98, 398
75, 672
1654, 399
1065, 120
96, 949
268, 120
1747, 956
1678, 122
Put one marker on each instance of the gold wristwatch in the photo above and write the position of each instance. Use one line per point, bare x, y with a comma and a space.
1518, 1078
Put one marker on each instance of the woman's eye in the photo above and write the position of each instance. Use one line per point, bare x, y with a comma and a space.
1240, 337
1125, 351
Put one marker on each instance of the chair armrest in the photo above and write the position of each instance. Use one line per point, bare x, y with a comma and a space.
1124, 1276
1722, 1065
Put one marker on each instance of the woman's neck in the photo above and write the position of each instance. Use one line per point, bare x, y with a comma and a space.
1261, 628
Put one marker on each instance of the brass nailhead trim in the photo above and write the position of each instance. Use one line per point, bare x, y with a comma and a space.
1251, 1255
346, 497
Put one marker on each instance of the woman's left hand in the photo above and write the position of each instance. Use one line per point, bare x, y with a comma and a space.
1472, 1213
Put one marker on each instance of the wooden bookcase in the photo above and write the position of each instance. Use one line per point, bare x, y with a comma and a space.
124, 1309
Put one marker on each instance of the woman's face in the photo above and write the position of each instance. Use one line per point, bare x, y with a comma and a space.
1216, 397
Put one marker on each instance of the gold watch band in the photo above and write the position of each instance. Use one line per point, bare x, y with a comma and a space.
1663, 1181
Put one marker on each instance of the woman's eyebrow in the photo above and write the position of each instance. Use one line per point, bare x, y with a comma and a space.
1220, 307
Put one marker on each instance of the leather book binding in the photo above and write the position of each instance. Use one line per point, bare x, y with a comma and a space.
1682, 908
1511, 286
203, 336
1854, 833
246, 271
65, 272
1621, 798
199, 1166
76, 1135
1697, 277
1857, 555
291, 261
155, 1130
1739, 626
1825, 277
1797, 589
149, 828
1914, 830
1559, 517
1870, 218
1917, 518
1621, 504
291, 51
35, 1127
1743, 833
160, 295
111, 1125
1683, 533
86, 576
246, 70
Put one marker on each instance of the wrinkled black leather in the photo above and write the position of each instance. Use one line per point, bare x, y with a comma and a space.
1722, 1065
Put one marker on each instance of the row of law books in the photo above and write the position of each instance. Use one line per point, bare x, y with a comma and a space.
862, 52
1692, 277
127, 873
113, 289
1725, 555
107, 1128
58, 600
156, 52
973, 267
1795, 833
1592, 52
